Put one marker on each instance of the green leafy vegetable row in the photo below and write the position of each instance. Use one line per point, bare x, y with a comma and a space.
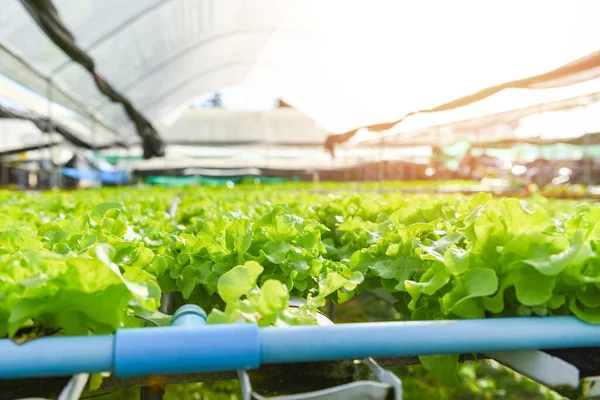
93, 261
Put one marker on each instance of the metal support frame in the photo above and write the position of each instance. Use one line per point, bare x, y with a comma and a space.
588, 162
50, 97
89, 112
372, 382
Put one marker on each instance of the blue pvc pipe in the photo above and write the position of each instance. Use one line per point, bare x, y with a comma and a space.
191, 346
185, 349
401, 339
56, 356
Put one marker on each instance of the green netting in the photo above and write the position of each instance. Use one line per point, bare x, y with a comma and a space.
205, 181
268, 179
115, 160
172, 180
179, 181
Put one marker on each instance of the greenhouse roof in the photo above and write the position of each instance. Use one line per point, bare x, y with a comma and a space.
129, 64
475, 121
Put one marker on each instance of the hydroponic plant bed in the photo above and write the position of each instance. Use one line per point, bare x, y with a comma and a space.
91, 262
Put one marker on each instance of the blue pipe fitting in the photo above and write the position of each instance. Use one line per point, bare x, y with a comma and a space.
189, 315
188, 346
55, 356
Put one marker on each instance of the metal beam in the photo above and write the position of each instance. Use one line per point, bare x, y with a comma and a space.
58, 89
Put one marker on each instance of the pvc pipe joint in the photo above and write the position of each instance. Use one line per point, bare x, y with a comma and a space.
189, 315
188, 345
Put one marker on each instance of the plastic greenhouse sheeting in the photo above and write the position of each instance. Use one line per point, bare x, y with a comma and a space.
555, 114
315, 53
17, 98
565, 124
18, 136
